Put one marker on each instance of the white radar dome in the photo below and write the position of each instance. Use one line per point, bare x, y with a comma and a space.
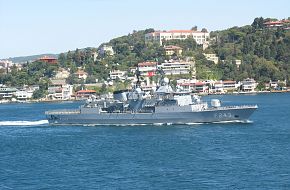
166, 80
138, 90
215, 103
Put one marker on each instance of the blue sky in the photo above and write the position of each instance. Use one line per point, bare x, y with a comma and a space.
29, 27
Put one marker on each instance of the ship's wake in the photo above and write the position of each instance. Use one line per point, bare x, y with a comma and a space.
23, 123
235, 121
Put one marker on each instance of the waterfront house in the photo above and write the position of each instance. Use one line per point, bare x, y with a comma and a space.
83, 94
23, 95
200, 87
26, 92
218, 87
185, 84
7, 92
230, 85
59, 90
248, 85
276, 85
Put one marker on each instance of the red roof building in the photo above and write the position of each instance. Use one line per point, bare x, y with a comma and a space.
147, 68
147, 64
46, 59
278, 23
85, 93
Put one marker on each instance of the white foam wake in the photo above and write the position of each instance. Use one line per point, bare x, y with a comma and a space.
23, 123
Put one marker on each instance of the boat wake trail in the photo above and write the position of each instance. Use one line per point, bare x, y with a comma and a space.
23, 123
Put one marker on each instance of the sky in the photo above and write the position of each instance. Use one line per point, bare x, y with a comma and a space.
30, 27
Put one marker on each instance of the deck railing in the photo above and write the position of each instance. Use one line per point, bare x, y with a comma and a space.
63, 112
233, 107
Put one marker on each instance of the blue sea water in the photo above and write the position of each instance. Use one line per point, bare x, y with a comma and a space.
255, 155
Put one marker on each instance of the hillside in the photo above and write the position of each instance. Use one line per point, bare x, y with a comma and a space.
264, 53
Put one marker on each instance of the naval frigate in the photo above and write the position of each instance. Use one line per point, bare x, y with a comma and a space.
162, 107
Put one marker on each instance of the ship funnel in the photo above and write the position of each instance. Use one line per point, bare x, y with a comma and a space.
215, 103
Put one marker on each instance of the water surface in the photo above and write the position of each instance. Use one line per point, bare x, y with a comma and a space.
34, 155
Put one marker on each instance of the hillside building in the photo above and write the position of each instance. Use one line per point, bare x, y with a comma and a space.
47, 59
174, 67
114, 74
171, 50
106, 50
147, 68
211, 57
159, 36
81, 74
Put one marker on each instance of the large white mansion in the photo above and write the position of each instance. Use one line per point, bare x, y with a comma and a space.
159, 36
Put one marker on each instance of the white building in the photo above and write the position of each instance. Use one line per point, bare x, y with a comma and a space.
7, 92
26, 92
238, 62
59, 90
159, 36
178, 67
67, 91
117, 74
23, 94
211, 57
147, 68
230, 85
5, 63
218, 87
95, 56
185, 84
249, 85
225, 86
106, 49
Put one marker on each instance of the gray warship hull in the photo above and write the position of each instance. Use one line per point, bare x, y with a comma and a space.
211, 115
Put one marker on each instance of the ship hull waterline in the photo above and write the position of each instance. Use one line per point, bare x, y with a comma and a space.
206, 116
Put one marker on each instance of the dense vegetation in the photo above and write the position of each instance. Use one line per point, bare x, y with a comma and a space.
35, 73
265, 55
265, 52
